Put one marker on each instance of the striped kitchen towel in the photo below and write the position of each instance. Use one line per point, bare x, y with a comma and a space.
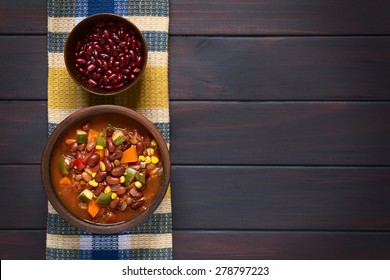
153, 238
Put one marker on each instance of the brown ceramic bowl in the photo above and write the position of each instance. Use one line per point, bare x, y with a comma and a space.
114, 115
105, 54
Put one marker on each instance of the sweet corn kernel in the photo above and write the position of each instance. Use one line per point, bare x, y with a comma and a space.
93, 183
155, 160
107, 189
154, 171
99, 147
148, 160
150, 152
154, 143
141, 158
93, 174
138, 184
122, 179
102, 166
114, 195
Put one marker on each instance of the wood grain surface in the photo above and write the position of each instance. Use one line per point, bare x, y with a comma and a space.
280, 129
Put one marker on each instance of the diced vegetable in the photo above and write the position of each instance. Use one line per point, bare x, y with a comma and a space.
118, 137
93, 208
100, 140
155, 159
70, 141
65, 181
100, 153
63, 169
103, 198
138, 184
79, 164
81, 136
93, 183
130, 155
92, 134
129, 175
86, 195
140, 177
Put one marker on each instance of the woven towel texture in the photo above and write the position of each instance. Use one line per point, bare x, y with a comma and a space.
153, 238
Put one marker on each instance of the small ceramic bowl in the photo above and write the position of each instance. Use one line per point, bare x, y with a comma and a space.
64, 180
105, 54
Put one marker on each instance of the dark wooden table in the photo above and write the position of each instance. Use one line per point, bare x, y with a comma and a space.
280, 128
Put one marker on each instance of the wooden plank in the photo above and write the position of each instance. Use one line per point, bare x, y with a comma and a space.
235, 133
23, 197
280, 245
289, 68
236, 197
293, 198
22, 244
234, 245
24, 128
23, 17
25, 60
274, 133
233, 17
303, 17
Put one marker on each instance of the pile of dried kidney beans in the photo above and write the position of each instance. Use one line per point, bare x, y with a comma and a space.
110, 56
110, 168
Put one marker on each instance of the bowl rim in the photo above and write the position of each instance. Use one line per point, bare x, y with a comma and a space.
72, 36
78, 117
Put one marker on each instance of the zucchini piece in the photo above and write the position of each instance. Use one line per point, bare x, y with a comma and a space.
129, 175
104, 198
118, 137
100, 140
86, 195
140, 177
63, 169
82, 136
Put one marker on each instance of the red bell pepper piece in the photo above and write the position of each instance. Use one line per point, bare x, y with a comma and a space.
79, 164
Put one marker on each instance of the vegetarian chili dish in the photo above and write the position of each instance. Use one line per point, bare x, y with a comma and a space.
106, 172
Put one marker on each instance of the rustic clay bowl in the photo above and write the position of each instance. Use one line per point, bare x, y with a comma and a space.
80, 31
79, 117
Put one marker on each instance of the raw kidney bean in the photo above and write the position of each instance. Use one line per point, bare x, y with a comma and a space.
110, 46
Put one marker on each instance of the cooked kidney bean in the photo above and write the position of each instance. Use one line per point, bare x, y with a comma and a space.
86, 177
99, 189
118, 171
121, 191
107, 163
100, 175
117, 154
112, 180
114, 203
136, 204
91, 145
112, 47
93, 160
110, 146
